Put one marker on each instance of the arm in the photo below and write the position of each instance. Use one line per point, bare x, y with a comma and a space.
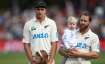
53, 51
26, 42
63, 52
93, 50
66, 39
28, 51
89, 55
54, 41
66, 52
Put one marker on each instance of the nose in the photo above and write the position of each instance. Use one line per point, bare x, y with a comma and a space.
39, 12
82, 21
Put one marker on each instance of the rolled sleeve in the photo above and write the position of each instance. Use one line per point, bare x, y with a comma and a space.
54, 33
95, 44
26, 34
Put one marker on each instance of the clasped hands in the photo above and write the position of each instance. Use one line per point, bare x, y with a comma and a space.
73, 53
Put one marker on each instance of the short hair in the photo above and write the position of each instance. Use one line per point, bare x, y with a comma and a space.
86, 13
71, 19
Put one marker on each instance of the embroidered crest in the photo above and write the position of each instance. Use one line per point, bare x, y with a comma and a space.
46, 26
33, 28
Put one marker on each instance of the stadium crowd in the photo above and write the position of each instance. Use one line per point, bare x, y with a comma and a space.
12, 22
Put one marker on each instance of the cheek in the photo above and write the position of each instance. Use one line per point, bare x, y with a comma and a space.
83, 23
87, 23
74, 26
36, 11
80, 23
44, 12
69, 26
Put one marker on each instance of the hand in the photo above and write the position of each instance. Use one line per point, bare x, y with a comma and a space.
33, 62
50, 61
74, 53
73, 49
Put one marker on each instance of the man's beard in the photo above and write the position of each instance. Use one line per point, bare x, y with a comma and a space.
83, 27
39, 16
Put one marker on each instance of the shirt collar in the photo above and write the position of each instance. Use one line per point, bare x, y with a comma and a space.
87, 34
43, 20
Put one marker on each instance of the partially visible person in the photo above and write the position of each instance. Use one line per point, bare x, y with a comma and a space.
40, 33
69, 36
41, 57
87, 44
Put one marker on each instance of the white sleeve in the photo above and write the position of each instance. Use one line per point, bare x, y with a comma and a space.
54, 33
66, 39
95, 44
26, 34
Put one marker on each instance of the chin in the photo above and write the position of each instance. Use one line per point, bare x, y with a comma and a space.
39, 16
83, 27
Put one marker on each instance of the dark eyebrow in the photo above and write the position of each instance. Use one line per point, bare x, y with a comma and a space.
82, 20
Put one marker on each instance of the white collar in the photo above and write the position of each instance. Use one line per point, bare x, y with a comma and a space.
87, 33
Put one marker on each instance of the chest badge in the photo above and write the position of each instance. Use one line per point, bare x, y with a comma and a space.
46, 26
33, 28
86, 38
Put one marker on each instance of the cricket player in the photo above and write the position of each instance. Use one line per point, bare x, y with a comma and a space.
40, 33
87, 44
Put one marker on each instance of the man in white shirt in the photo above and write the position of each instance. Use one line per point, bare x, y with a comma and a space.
40, 34
87, 45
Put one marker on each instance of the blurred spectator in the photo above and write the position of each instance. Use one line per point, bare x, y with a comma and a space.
16, 28
12, 20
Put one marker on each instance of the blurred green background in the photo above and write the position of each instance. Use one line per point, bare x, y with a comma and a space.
14, 14
20, 58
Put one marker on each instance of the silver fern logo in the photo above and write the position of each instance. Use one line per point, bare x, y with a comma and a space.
33, 28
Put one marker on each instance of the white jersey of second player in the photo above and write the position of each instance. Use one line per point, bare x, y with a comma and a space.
85, 43
40, 35
69, 38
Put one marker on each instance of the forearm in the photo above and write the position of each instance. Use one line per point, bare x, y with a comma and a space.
63, 52
53, 50
28, 51
52, 53
90, 55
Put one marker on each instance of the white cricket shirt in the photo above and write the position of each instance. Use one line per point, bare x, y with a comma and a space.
40, 35
85, 43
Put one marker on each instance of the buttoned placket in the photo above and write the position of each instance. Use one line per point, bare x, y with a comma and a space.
40, 25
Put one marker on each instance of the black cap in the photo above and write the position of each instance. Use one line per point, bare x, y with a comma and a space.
40, 5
